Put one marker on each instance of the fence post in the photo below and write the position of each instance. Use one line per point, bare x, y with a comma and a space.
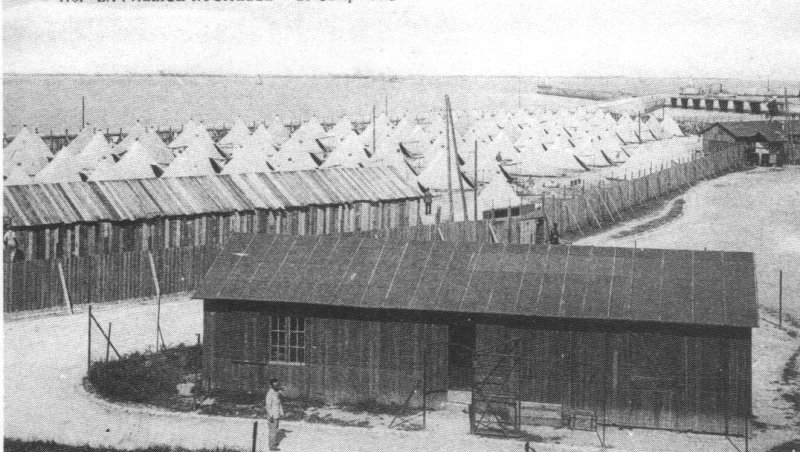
108, 341
64, 287
780, 299
255, 435
89, 346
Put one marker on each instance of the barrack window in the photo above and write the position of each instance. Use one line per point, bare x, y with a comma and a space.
287, 340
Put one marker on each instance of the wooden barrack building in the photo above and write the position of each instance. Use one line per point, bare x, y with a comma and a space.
84, 218
640, 337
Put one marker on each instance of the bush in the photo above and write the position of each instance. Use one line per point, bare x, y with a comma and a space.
147, 377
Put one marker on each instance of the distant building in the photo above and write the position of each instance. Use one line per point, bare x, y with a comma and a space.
770, 135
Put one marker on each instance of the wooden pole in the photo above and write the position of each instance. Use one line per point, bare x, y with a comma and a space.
64, 287
108, 341
475, 197
89, 342
449, 165
374, 131
255, 435
158, 294
780, 299
455, 149
83, 112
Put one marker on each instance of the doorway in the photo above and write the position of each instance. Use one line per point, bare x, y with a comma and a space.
461, 339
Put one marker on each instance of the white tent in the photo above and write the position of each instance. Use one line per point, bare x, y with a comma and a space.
65, 167
238, 135
95, 155
349, 153
135, 132
78, 143
278, 130
18, 176
189, 133
27, 151
137, 163
247, 160
498, 194
343, 127
671, 128
199, 143
262, 140
190, 164
434, 176
151, 143
292, 161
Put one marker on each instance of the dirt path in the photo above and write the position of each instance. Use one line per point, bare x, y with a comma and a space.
45, 356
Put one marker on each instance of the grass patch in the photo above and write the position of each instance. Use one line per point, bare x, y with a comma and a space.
674, 212
315, 418
789, 446
149, 377
18, 445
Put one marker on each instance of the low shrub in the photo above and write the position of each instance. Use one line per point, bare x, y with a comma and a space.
149, 377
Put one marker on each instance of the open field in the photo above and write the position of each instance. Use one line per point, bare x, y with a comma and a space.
45, 356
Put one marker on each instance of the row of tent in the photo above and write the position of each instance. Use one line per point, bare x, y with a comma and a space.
503, 145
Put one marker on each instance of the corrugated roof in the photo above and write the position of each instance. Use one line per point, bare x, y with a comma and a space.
119, 200
772, 131
653, 285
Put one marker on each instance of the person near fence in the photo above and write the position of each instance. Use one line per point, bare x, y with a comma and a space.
554, 238
274, 412
10, 242
428, 199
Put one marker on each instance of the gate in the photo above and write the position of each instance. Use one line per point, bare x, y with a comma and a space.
495, 409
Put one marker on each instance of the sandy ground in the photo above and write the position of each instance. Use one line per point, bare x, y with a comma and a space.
45, 355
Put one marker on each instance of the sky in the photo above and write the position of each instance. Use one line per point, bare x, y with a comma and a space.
730, 39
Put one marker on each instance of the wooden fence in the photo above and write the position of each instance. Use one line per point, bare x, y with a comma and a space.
38, 284
41, 284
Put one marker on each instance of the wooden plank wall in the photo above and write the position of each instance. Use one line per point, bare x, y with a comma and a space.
346, 360
652, 380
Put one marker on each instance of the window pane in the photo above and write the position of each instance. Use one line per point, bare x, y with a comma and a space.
301, 355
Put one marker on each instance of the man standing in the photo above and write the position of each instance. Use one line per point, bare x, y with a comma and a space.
428, 199
554, 238
274, 412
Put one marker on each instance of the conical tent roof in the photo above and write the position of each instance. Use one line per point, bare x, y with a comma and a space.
190, 133
137, 163
28, 150
292, 161
136, 131
78, 143
262, 141
18, 176
563, 158
671, 128
239, 134
247, 160
349, 153
395, 160
189, 164
65, 167
498, 194
151, 143
278, 130
434, 176
342, 128
310, 130
97, 153
200, 144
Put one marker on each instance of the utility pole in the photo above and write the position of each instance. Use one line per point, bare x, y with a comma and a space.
449, 162
374, 130
475, 198
83, 112
455, 149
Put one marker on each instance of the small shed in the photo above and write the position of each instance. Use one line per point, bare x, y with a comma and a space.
641, 337
746, 134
